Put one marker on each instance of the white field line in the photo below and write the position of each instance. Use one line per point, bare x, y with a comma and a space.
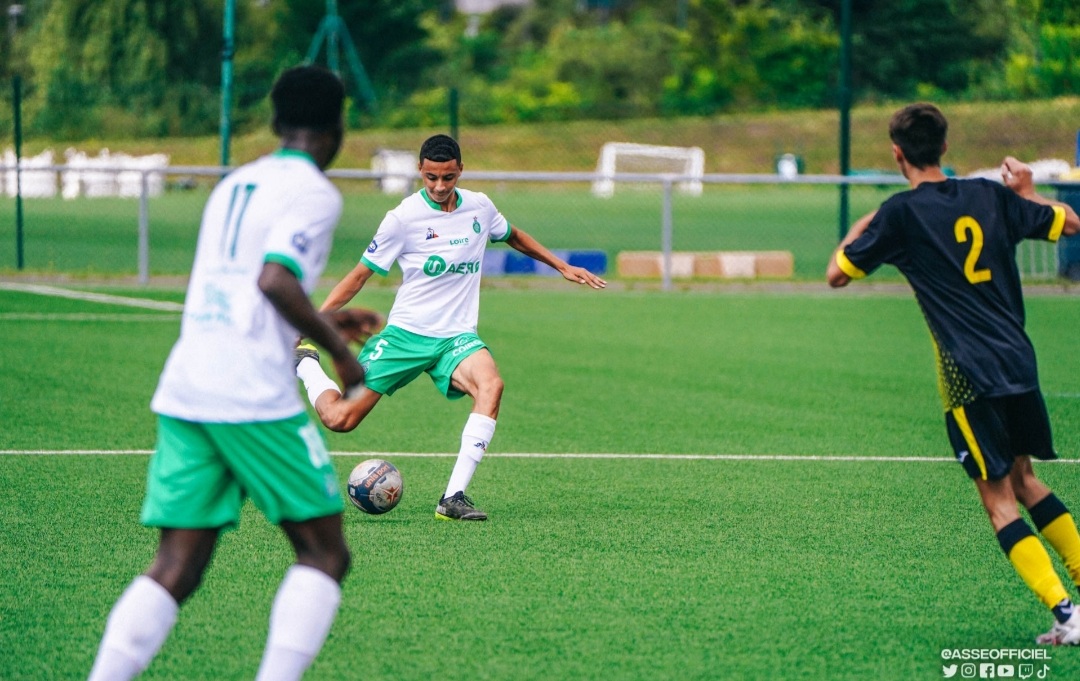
84, 317
58, 292
512, 455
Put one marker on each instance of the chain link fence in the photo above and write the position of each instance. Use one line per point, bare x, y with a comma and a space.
154, 232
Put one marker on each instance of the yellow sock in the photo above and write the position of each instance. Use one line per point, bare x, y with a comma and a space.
1032, 562
1059, 528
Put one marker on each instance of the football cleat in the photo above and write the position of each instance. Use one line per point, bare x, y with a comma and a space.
304, 351
1065, 633
458, 507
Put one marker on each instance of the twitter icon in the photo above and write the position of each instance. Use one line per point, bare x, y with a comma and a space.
948, 670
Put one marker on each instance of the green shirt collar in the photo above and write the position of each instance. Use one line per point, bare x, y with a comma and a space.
294, 153
423, 193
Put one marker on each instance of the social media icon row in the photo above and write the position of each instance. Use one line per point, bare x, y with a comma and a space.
991, 670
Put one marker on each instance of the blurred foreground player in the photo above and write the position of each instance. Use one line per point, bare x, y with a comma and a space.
955, 242
230, 422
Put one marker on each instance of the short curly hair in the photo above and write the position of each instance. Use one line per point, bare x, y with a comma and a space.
440, 148
308, 97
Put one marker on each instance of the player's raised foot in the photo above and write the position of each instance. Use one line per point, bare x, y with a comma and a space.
1065, 633
304, 351
458, 507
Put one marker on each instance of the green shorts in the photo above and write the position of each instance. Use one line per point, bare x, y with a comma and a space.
395, 357
201, 473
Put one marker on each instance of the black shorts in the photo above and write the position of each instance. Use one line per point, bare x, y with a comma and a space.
990, 432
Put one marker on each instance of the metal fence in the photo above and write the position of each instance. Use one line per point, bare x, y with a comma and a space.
735, 211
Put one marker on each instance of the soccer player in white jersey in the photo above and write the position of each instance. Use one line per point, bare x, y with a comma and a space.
230, 422
438, 237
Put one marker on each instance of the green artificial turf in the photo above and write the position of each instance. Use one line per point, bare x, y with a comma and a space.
793, 565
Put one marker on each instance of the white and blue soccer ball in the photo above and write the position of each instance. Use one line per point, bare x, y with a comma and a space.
375, 486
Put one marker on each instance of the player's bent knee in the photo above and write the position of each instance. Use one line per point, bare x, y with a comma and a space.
492, 389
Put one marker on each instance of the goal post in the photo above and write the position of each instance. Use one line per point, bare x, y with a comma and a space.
626, 157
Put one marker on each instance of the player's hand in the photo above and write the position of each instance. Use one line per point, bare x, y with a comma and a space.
1017, 176
357, 325
580, 275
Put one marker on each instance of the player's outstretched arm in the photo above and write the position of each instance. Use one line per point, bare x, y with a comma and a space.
346, 289
1018, 177
522, 242
833, 274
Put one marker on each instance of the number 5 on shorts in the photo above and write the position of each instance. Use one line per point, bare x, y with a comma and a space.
376, 352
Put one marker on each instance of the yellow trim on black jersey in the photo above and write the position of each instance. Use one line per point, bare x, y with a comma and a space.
848, 267
969, 437
1058, 225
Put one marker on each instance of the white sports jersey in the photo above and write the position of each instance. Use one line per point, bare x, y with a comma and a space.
234, 360
440, 255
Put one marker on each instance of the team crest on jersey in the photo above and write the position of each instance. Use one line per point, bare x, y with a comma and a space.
475, 225
373, 246
431, 234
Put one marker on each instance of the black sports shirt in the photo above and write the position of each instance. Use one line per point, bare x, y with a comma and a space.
955, 241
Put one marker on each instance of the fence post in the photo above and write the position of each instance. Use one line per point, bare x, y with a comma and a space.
16, 86
144, 228
665, 235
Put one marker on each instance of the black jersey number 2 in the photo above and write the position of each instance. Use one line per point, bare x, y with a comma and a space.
966, 226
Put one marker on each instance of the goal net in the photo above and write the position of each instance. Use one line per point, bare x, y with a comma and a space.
624, 157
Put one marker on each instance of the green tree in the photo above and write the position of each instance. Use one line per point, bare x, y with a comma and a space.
902, 48
750, 55
134, 66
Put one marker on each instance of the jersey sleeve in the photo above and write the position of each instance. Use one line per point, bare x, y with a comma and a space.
386, 246
1027, 219
878, 245
301, 236
500, 228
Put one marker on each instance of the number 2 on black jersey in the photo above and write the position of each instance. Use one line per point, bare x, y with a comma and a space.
964, 226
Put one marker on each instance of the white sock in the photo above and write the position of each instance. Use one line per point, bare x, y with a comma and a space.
316, 382
304, 608
139, 623
475, 437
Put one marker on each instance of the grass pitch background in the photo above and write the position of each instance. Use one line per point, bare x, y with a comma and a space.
589, 568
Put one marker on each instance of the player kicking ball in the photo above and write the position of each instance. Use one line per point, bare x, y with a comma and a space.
955, 242
438, 237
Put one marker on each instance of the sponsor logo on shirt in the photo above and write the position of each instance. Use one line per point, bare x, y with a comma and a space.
373, 246
436, 266
464, 241
301, 242
431, 234
475, 225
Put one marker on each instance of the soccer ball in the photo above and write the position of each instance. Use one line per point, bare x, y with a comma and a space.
375, 486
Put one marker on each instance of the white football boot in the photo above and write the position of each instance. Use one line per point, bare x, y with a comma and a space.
1065, 633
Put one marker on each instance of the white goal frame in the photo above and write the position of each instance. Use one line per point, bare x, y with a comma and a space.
692, 158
